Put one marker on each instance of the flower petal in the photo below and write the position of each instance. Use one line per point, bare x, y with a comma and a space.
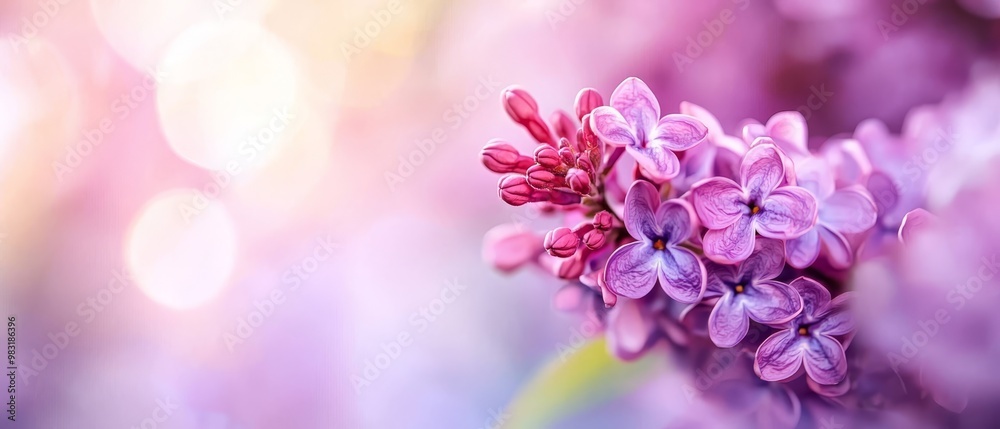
766, 262
682, 275
731, 244
762, 170
772, 302
657, 162
825, 361
802, 252
849, 210
641, 204
916, 222
837, 318
884, 192
675, 219
838, 249
815, 297
612, 128
638, 105
678, 132
629, 329
631, 270
789, 130
510, 246
719, 278
718, 201
779, 357
787, 213
728, 323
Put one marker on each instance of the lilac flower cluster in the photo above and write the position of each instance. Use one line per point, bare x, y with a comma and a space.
750, 237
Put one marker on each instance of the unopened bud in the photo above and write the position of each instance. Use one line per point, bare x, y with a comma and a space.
561, 242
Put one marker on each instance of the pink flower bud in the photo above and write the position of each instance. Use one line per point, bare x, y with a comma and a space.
603, 221
514, 190
587, 100
564, 126
500, 157
567, 156
547, 156
542, 178
594, 239
572, 267
523, 109
561, 242
579, 181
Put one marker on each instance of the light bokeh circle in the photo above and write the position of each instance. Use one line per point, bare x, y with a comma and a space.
181, 254
225, 86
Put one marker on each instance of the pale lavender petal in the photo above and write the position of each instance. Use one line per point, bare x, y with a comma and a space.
787, 213
678, 132
612, 128
638, 105
784, 409
719, 278
658, 162
631, 270
719, 202
762, 170
802, 252
779, 357
849, 210
772, 302
703, 115
816, 175
825, 361
766, 262
681, 275
849, 160
675, 219
837, 317
641, 204
883, 190
815, 297
789, 130
752, 131
629, 329
915, 222
838, 249
728, 323
731, 244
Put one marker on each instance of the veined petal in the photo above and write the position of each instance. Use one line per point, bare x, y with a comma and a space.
675, 218
762, 170
658, 162
849, 210
787, 213
838, 249
641, 204
789, 130
718, 279
678, 132
728, 323
637, 105
815, 297
825, 361
631, 270
731, 244
766, 262
612, 128
779, 357
719, 202
681, 275
771, 302
837, 318
802, 252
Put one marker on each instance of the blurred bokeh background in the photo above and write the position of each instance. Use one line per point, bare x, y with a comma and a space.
263, 214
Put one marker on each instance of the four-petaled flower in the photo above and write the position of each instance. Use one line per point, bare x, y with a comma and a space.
747, 291
809, 340
659, 229
761, 203
633, 121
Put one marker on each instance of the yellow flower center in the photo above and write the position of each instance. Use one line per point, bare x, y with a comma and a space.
659, 244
